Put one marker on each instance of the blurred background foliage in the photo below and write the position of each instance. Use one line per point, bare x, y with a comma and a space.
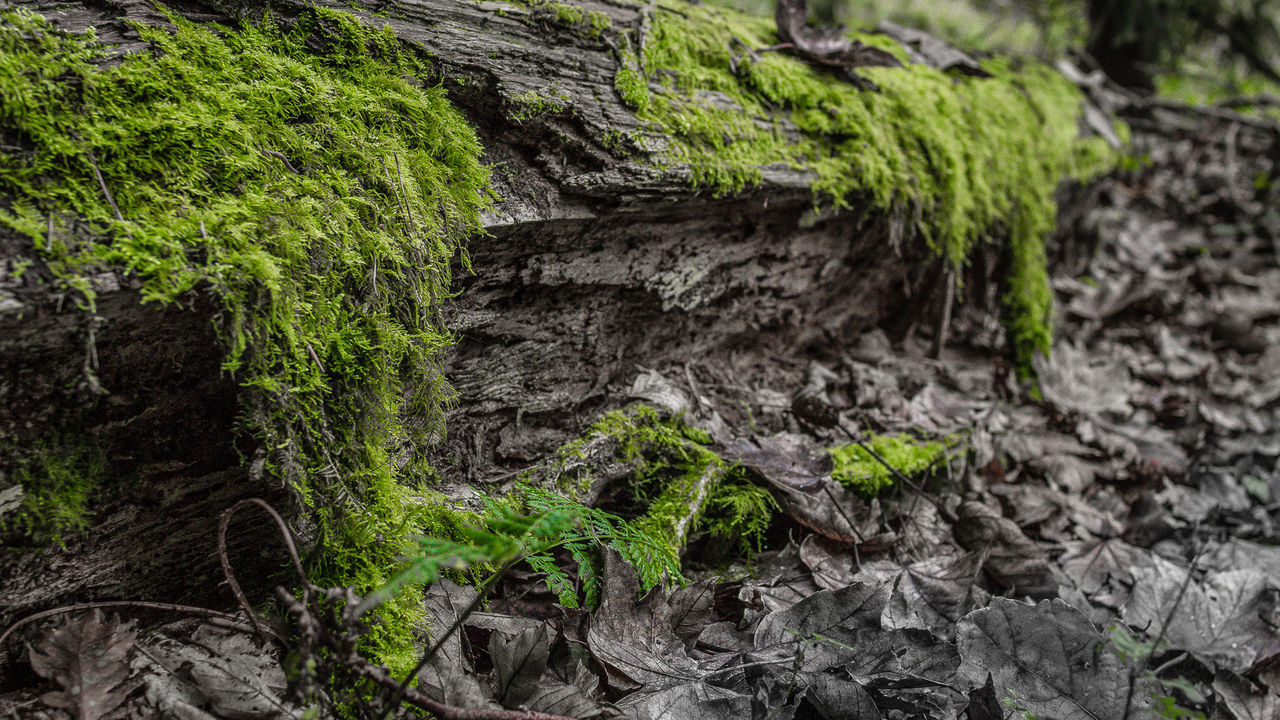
1195, 51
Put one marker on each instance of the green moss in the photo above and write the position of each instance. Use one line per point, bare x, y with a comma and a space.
592, 24
855, 467
530, 105
738, 513
1028, 299
56, 481
303, 176
632, 88
598, 23
682, 484
619, 142
586, 23
960, 160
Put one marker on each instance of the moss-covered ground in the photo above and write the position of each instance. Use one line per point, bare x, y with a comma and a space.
959, 160
311, 178
667, 458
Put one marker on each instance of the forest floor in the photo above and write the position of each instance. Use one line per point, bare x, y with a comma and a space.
1111, 550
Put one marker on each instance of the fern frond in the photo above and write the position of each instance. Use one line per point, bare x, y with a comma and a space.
587, 573
532, 530
436, 555
557, 579
655, 560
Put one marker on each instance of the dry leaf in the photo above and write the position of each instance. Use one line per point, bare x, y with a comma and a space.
1219, 617
787, 460
1049, 657
1013, 561
89, 658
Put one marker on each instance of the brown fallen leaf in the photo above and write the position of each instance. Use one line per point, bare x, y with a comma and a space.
1090, 563
1221, 616
840, 514
832, 564
216, 670
634, 639
1013, 561
787, 460
936, 592
1052, 657
89, 658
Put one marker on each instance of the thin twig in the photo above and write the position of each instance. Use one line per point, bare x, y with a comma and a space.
91, 366
230, 574
857, 535
915, 500
944, 320
103, 184
168, 607
280, 156
315, 358
1142, 665
402, 203
743, 666
1210, 111
1178, 600
403, 688
791, 685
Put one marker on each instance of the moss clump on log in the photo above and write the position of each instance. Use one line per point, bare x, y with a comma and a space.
957, 160
304, 175
47, 496
684, 486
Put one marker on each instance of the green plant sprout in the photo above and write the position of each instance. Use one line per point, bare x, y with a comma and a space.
1136, 653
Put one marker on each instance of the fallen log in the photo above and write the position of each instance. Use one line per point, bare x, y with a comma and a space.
626, 233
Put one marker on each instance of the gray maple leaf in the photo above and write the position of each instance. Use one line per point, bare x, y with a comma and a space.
89, 658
